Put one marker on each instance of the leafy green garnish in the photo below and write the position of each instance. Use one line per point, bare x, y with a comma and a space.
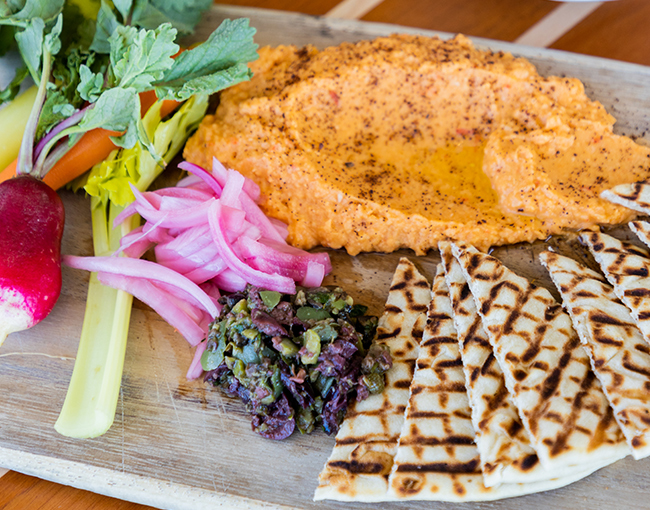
140, 60
107, 23
217, 63
141, 57
182, 14
18, 10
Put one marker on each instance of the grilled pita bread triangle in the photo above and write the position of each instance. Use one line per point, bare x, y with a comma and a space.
635, 196
642, 231
619, 355
547, 372
362, 457
504, 446
627, 269
436, 457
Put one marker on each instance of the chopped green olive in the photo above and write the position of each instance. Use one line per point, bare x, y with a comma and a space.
374, 382
312, 344
211, 359
305, 420
239, 370
250, 333
249, 354
305, 313
271, 298
241, 306
287, 348
326, 331
338, 305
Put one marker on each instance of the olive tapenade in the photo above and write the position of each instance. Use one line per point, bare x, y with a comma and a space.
295, 360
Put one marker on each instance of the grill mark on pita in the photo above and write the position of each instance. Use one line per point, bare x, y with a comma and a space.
551, 382
637, 187
440, 467
410, 486
384, 335
439, 340
450, 363
603, 318
453, 387
495, 401
520, 375
634, 271
515, 427
402, 384
465, 293
488, 363
398, 286
428, 414
453, 440
356, 467
637, 293
529, 462
644, 348
392, 309
417, 308
424, 364
627, 363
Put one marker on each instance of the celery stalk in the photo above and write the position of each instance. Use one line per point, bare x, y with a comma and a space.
91, 401
95, 381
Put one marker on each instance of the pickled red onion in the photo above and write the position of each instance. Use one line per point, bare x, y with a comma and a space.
208, 234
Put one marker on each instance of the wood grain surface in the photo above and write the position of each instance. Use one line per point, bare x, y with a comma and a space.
614, 30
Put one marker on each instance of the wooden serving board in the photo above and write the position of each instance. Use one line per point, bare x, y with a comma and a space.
183, 445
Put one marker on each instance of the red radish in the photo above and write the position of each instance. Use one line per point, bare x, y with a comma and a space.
31, 228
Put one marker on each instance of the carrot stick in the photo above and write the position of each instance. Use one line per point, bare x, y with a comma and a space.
92, 148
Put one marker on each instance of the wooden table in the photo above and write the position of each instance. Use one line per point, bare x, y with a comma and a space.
615, 29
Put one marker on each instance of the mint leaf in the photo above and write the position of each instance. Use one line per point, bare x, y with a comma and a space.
213, 65
140, 57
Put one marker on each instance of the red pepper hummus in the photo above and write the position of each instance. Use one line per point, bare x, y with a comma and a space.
406, 140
